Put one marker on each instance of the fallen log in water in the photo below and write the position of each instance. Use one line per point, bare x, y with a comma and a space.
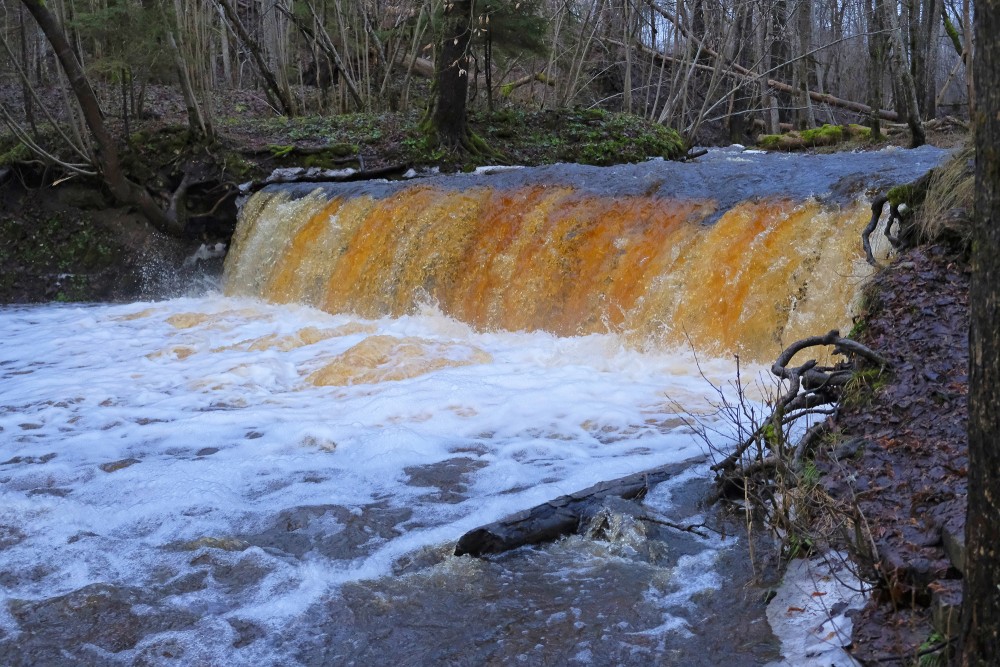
564, 515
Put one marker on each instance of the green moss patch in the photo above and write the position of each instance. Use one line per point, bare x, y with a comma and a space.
826, 135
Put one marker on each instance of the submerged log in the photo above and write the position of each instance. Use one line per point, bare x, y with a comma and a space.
564, 515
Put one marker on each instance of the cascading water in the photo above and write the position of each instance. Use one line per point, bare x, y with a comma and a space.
646, 251
221, 480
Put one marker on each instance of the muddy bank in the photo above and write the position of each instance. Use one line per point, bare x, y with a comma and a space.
902, 456
70, 243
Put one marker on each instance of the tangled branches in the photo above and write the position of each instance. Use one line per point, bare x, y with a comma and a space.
811, 389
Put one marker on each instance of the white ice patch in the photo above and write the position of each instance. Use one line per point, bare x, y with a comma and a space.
809, 612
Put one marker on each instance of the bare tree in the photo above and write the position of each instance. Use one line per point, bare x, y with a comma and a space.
980, 637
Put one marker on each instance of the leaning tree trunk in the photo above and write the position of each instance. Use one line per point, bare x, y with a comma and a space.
106, 158
981, 594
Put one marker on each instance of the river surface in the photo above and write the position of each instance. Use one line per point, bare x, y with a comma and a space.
176, 489
272, 477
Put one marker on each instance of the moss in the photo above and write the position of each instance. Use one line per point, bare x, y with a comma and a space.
280, 151
901, 194
342, 150
769, 141
859, 132
823, 136
18, 152
912, 194
826, 135
237, 166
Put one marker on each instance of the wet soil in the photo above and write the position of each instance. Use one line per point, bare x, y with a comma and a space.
902, 458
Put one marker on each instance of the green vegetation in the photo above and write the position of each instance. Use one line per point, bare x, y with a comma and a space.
509, 135
585, 136
12, 151
69, 256
929, 657
863, 386
827, 135
945, 213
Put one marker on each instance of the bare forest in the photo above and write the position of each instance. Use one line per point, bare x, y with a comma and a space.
715, 70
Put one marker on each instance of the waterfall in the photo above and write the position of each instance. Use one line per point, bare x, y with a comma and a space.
644, 254
239, 482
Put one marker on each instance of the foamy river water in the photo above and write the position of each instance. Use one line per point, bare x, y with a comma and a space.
224, 481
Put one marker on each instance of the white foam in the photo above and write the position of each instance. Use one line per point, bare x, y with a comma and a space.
167, 431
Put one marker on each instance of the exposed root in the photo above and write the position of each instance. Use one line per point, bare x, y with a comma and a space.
810, 386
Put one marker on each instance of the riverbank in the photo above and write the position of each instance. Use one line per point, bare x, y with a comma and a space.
900, 456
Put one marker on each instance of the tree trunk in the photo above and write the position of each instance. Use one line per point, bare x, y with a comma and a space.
279, 93
562, 516
737, 120
907, 88
969, 55
804, 113
877, 48
981, 590
107, 160
447, 122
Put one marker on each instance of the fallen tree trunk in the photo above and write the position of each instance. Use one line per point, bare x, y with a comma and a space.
506, 89
562, 516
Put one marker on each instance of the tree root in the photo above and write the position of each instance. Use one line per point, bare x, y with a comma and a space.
902, 201
810, 387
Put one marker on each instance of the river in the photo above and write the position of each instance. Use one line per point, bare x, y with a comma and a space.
277, 473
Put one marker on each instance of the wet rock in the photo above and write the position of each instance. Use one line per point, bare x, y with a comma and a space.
223, 543
246, 632
99, 614
18, 576
946, 607
206, 451
449, 478
114, 466
160, 652
331, 530
45, 458
57, 491
183, 584
111, 618
10, 536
